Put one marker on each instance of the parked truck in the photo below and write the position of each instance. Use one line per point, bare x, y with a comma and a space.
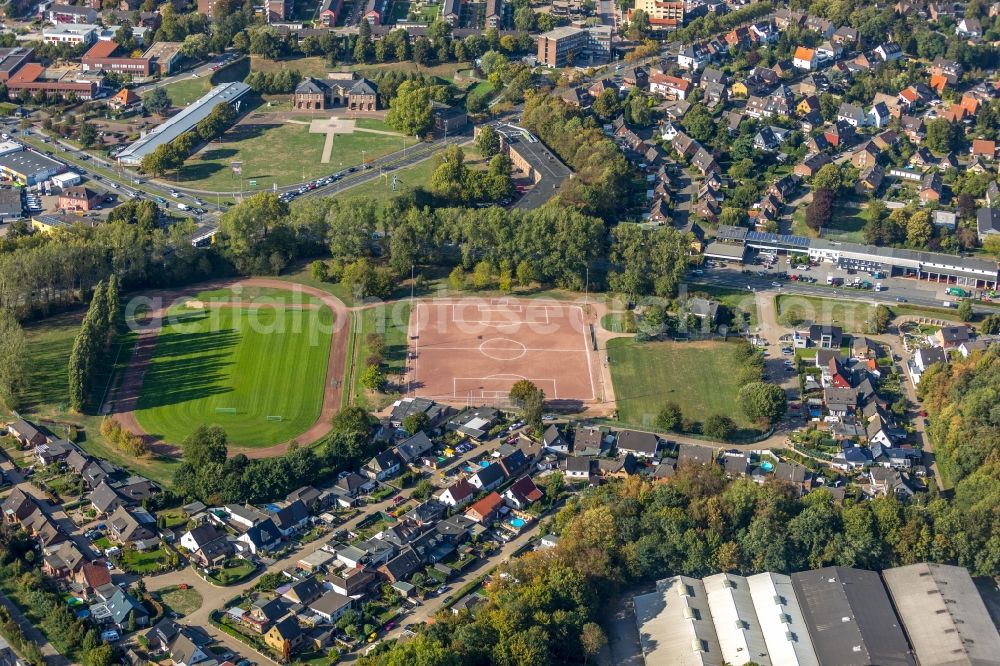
956, 291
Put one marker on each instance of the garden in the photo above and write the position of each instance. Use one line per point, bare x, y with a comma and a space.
232, 571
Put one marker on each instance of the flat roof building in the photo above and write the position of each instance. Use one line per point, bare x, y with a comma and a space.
675, 624
732, 606
70, 33
28, 167
12, 59
850, 618
560, 47
944, 615
229, 93
781, 622
732, 242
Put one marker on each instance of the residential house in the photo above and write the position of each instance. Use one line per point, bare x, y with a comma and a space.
913, 127
457, 494
353, 581
950, 337
105, 499
331, 606
879, 115
488, 478
853, 115
262, 537
404, 565
695, 454
866, 156
304, 591
413, 448
383, 466
126, 528
523, 493
804, 58
207, 545
263, 613
852, 457
590, 441
553, 440
811, 164
839, 133
64, 562
26, 433
984, 149
969, 28
579, 468
669, 87
285, 637
352, 484
870, 180
888, 51
888, 482
641, 444
120, 610
825, 337
797, 475
308, 495
290, 517
485, 510
705, 162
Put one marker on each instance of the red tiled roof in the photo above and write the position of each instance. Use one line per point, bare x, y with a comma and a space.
487, 505
102, 49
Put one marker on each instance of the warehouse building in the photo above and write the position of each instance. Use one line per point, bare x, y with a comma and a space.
835, 616
28, 167
185, 121
943, 615
737, 243
850, 618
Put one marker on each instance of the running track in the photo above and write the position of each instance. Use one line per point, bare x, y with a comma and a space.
123, 400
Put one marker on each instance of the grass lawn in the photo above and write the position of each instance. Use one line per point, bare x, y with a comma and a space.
299, 158
849, 315
103, 543
260, 363
186, 91
49, 343
847, 225
619, 322
263, 295
233, 572
735, 300
391, 323
482, 89
145, 562
174, 518
410, 178
698, 376
182, 602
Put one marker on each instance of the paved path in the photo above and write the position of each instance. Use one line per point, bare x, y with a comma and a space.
52, 656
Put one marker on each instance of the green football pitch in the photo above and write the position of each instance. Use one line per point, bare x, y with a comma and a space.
260, 373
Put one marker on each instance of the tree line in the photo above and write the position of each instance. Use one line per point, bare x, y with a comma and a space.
208, 473
90, 347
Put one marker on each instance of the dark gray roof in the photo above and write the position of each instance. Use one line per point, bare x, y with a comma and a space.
490, 474
696, 453
640, 442
414, 447
291, 515
850, 617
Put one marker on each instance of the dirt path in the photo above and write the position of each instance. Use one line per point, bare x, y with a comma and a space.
123, 400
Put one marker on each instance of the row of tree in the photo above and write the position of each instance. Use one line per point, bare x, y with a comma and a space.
92, 341
172, 155
210, 475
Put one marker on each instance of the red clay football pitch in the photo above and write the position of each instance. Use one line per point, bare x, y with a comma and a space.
474, 350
